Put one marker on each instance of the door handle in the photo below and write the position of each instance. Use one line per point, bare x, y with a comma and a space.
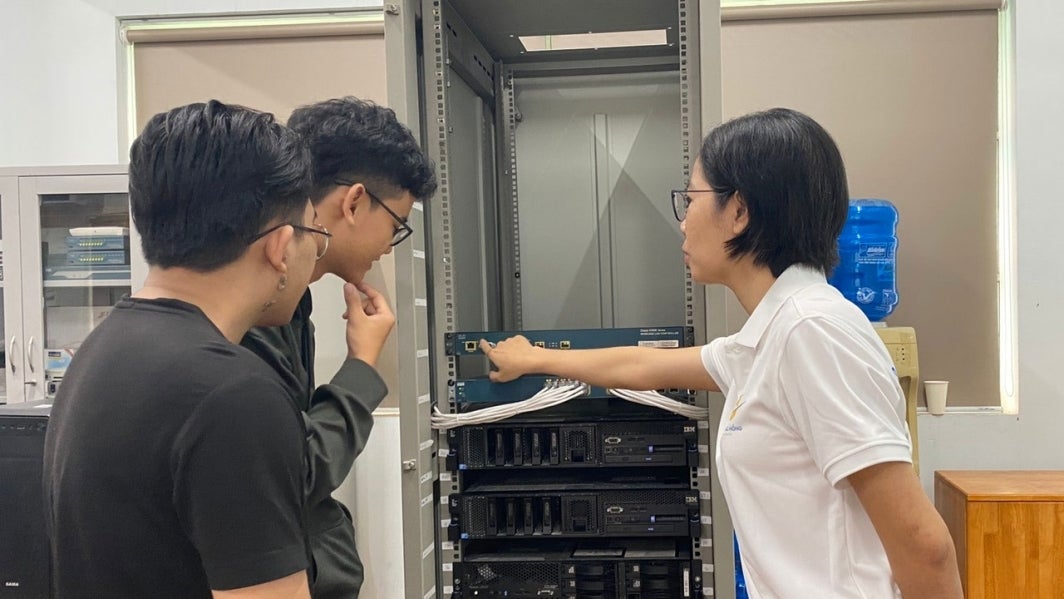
29, 362
11, 354
29, 354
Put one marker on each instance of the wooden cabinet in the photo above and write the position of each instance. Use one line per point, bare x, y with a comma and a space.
1008, 527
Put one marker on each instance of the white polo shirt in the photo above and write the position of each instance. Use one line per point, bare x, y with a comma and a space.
812, 397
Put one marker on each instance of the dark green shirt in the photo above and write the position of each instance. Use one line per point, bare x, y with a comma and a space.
338, 418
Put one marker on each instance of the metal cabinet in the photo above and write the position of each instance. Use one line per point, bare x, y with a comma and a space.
67, 258
554, 165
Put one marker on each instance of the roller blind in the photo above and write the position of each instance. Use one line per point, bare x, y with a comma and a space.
911, 99
275, 68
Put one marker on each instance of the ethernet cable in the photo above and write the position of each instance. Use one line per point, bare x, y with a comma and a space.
657, 400
555, 392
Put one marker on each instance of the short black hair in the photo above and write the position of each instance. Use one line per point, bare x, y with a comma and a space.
356, 140
790, 174
207, 177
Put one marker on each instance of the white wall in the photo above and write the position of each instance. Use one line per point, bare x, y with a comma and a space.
60, 98
373, 493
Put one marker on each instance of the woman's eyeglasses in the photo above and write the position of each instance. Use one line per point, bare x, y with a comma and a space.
681, 201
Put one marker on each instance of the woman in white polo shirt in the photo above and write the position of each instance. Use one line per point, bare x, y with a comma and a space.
813, 453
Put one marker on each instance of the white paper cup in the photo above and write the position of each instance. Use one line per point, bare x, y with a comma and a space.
935, 392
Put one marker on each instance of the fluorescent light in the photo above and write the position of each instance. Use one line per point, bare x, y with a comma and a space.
752, 3
584, 41
1007, 294
179, 22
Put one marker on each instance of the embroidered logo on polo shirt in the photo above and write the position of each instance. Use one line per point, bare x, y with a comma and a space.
735, 412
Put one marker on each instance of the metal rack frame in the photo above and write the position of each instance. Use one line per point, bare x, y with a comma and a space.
425, 270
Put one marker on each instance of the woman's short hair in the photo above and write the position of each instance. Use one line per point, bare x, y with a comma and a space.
789, 173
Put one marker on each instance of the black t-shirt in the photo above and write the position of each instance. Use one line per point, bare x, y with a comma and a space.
173, 462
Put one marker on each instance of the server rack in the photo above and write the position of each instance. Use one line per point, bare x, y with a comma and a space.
506, 126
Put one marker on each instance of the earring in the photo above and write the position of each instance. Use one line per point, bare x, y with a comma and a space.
281, 284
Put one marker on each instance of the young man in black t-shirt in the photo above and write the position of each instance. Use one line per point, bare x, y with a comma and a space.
174, 457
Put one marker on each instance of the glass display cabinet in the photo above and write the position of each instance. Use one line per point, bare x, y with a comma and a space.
65, 255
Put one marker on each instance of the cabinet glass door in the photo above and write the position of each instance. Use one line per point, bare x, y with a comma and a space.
3, 322
85, 256
10, 298
83, 248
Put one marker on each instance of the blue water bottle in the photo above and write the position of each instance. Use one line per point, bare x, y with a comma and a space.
867, 248
740, 579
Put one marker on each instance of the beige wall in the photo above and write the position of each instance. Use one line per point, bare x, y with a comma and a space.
289, 68
911, 100
275, 75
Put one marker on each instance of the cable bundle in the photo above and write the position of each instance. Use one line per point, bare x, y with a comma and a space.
657, 400
555, 392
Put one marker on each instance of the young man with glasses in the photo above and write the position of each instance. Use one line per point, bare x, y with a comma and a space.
174, 458
368, 172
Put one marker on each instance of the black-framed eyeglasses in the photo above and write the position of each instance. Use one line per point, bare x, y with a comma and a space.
322, 238
402, 228
681, 200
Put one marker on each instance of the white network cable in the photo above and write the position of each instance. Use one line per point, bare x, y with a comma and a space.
556, 392
653, 398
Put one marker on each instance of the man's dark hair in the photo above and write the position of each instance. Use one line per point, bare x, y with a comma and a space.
789, 172
359, 141
206, 178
